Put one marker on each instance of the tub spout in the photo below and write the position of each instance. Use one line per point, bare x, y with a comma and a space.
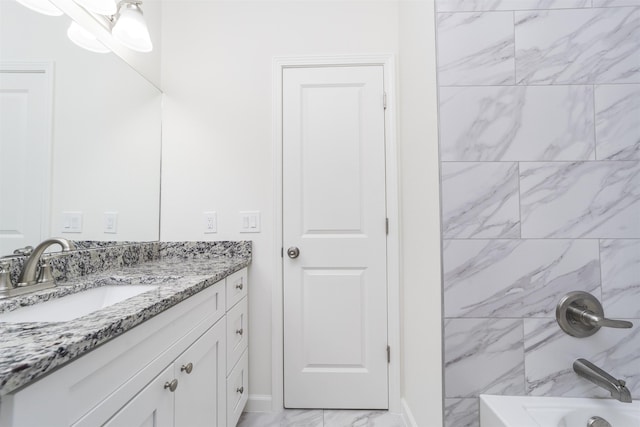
617, 388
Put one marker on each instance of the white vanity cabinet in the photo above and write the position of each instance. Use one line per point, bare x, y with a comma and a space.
237, 346
171, 370
187, 393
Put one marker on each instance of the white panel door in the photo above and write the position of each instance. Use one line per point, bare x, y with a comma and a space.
25, 163
334, 212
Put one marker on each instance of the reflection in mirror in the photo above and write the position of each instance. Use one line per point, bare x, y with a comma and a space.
79, 138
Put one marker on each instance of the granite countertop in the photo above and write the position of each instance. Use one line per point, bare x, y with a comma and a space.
30, 350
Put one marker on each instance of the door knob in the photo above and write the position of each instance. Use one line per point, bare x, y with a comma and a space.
293, 252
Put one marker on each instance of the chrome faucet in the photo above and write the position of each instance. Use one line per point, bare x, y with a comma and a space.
30, 269
617, 388
30, 280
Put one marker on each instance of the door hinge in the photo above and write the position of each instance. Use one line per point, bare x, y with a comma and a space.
384, 100
388, 354
386, 225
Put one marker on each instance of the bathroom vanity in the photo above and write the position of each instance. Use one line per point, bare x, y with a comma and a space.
175, 355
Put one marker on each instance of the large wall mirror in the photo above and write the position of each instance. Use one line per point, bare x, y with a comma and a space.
94, 173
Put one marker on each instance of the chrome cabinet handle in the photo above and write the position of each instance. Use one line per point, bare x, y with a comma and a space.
187, 368
172, 386
240, 331
293, 252
580, 315
240, 390
240, 286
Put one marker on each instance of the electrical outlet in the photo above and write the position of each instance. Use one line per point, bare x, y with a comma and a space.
210, 222
71, 222
111, 222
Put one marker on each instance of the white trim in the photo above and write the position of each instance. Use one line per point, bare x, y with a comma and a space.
387, 61
46, 68
258, 403
407, 415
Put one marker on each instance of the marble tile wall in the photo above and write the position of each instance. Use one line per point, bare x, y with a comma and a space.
540, 168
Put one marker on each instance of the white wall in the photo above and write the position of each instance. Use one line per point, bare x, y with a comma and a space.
421, 299
218, 148
106, 128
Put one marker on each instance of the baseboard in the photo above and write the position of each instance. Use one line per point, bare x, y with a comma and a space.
407, 416
258, 403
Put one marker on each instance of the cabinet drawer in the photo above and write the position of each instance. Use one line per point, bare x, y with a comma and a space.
237, 333
237, 390
236, 287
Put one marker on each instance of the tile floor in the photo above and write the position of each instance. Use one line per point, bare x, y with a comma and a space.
320, 418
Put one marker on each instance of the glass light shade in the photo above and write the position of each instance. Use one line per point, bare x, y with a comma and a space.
131, 30
42, 6
85, 39
101, 7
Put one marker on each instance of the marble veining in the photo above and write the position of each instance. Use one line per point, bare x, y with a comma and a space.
487, 54
620, 260
461, 413
615, 3
512, 123
286, 418
30, 350
581, 199
480, 200
600, 45
321, 418
473, 5
617, 109
550, 353
515, 278
483, 355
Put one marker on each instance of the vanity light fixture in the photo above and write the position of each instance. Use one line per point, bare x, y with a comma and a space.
42, 6
130, 29
85, 39
101, 7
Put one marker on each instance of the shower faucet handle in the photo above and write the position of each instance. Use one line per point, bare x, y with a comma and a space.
580, 315
587, 316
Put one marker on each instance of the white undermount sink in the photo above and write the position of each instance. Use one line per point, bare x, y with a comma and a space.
75, 305
529, 411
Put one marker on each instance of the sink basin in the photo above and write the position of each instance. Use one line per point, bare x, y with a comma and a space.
525, 411
75, 305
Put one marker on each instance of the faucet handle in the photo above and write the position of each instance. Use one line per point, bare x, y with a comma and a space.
580, 315
5, 279
587, 316
46, 271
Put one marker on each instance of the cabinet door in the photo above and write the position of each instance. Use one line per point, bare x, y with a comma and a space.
237, 390
152, 407
200, 370
237, 333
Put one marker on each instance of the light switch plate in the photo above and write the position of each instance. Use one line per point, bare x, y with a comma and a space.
71, 222
250, 222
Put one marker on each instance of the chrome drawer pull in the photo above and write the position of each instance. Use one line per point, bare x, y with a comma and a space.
187, 368
239, 286
172, 386
240, 331
240, 390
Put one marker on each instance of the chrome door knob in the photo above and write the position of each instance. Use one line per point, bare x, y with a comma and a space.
293, 252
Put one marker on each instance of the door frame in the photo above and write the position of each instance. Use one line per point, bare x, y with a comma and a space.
46, 170
387, 61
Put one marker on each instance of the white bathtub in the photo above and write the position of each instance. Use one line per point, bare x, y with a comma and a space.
516, 411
